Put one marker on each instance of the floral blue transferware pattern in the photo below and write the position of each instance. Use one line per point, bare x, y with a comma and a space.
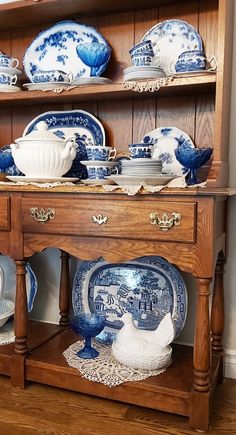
170, 38
57, 47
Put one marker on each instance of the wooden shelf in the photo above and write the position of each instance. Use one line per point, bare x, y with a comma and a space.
47, 365
106, 92
31, 12
39, 332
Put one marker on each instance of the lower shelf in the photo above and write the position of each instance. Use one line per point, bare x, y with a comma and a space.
170, 391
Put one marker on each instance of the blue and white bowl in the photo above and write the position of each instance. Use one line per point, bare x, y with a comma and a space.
97, 169
142, 59
144, 46
191, 60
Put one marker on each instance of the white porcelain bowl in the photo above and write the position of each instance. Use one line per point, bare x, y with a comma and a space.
7, 308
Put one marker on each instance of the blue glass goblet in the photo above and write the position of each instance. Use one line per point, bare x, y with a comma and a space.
88, 326
95, 55
192, 158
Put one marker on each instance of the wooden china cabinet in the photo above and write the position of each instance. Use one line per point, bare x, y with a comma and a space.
198, 105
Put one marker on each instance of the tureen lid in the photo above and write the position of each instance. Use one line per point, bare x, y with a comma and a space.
41, 133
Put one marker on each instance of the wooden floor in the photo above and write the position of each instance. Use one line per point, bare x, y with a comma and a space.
42, 410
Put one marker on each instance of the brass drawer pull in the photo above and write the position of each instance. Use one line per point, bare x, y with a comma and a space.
41, 215
100, 219
165, 222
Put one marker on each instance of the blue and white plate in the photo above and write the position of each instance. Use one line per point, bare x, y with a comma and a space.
7, 164
9, 271
170, 38
86, 127
149, 287
165, 140
56, 48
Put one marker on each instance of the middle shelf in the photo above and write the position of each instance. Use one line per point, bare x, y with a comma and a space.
113, 91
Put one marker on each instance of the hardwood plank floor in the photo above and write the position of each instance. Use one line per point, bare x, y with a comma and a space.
43, 410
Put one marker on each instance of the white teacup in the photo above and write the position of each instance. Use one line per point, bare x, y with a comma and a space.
8, 79
8, 61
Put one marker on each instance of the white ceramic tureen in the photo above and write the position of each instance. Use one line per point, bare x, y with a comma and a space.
42, 154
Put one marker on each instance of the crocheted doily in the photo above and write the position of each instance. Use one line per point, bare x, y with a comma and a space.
7, 333
105, 369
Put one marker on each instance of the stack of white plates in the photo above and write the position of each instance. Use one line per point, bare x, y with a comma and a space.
141, 167
143, 72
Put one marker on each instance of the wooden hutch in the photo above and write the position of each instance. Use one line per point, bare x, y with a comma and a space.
200, 106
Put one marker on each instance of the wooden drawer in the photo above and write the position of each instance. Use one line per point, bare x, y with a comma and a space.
4, 213
120, 219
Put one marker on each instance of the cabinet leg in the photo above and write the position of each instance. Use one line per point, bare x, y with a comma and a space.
217, 313
21, 327
200, 395
64, 297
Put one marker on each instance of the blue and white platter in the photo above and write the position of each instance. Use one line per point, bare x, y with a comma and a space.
165, 140
56, 48
149, 287
86, 127
170, 38
7, 164
9, 271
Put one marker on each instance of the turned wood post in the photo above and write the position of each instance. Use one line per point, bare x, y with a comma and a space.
21, 310
64, 295
217, 311
202, 350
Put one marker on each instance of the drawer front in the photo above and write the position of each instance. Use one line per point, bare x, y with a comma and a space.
147, 220
4, 213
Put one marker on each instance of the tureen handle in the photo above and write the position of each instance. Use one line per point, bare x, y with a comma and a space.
69, 149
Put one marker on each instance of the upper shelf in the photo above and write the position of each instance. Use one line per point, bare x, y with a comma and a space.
111, 91
25, 13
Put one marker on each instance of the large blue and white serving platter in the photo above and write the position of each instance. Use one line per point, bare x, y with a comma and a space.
9, 273
170, 38
149, 287
55, 48
85, 126
165, 150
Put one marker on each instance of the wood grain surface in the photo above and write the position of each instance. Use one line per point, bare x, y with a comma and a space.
44, 410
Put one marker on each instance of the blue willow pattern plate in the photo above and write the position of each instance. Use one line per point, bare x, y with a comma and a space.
86, 127
166, 151
9, 270
149, 287
170, 38
56, 48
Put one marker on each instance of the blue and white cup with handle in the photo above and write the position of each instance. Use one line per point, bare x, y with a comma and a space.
99, 152
8, 61
192, 61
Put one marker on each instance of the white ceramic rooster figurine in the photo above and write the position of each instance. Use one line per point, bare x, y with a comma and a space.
142, 349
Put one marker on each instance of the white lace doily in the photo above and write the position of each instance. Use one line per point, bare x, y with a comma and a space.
131, 190
145, 85
105, 369
7, 333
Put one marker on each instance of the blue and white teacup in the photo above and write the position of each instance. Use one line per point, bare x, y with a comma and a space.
7, 79
142, 59
100, 152
51, 76
8, 61
101, 171
140, 151
192, 60
144, 46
